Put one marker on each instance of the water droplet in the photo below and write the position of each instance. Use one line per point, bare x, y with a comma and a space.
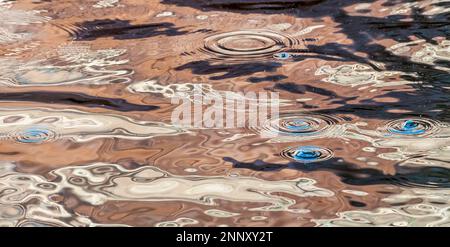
412, 127
307, 154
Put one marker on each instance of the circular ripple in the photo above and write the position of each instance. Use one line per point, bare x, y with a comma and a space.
427, 177
34, 135
411, 127
301, 125
307, 154
247, 45
282, 55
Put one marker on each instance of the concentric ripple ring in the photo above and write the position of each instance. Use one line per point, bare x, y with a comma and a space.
301, 125
413, 127
307, 154
36, 135
247, 45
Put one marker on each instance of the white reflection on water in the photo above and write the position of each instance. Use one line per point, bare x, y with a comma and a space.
12, 19
28, 197
78, 126
66, 65
359, 74
432, 211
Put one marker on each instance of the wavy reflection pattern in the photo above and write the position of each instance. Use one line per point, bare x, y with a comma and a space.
27, 198
37, 125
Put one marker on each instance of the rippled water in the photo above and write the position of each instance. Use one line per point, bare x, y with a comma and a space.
362, 137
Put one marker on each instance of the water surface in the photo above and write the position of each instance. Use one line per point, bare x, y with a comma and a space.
362, 138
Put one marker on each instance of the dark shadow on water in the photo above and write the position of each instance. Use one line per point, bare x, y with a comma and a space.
121, 29
228, 71
254, 6
270, 78
78, 99
429, 176
304, 88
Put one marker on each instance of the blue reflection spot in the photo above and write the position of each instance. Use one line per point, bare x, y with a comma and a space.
282, 55
409, 127
34, 135
307, 153
409, 124
298, 125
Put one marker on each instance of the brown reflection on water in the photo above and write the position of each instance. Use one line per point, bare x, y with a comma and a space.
365, 64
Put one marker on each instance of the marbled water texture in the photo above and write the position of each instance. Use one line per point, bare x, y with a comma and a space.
362, 137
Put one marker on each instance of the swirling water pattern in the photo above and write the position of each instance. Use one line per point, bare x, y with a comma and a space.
26, 125
92, 184
362, 137
74, 65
